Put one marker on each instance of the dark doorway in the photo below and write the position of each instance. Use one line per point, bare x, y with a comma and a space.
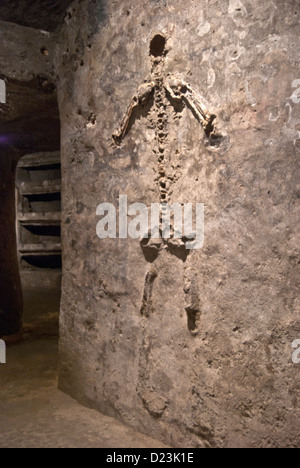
30, 275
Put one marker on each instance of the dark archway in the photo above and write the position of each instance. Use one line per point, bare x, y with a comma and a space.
29, 123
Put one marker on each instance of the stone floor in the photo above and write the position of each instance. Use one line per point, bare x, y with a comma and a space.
33, 412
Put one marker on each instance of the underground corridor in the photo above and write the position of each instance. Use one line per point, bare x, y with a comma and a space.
30, 284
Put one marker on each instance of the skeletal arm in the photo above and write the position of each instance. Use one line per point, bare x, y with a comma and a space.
181, 91
140, 98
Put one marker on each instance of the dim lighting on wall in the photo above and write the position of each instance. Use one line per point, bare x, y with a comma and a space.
4, 140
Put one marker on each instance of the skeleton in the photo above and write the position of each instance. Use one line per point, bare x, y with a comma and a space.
177, 89
163, 89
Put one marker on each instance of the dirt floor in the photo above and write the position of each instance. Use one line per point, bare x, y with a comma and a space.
33, 412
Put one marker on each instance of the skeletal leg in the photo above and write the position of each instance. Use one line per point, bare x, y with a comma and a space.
147, 305
193, 307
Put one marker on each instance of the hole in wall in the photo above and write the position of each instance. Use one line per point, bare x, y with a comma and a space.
42, 231
51, 262
42, 203
44, 51
158, 45
39, 174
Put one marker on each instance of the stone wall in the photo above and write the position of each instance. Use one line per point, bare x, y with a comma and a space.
26, 52
209, 364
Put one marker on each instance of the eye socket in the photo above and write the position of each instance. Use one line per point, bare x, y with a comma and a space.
157, 46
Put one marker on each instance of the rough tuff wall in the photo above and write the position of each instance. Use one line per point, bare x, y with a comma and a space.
209, 364
26, 53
